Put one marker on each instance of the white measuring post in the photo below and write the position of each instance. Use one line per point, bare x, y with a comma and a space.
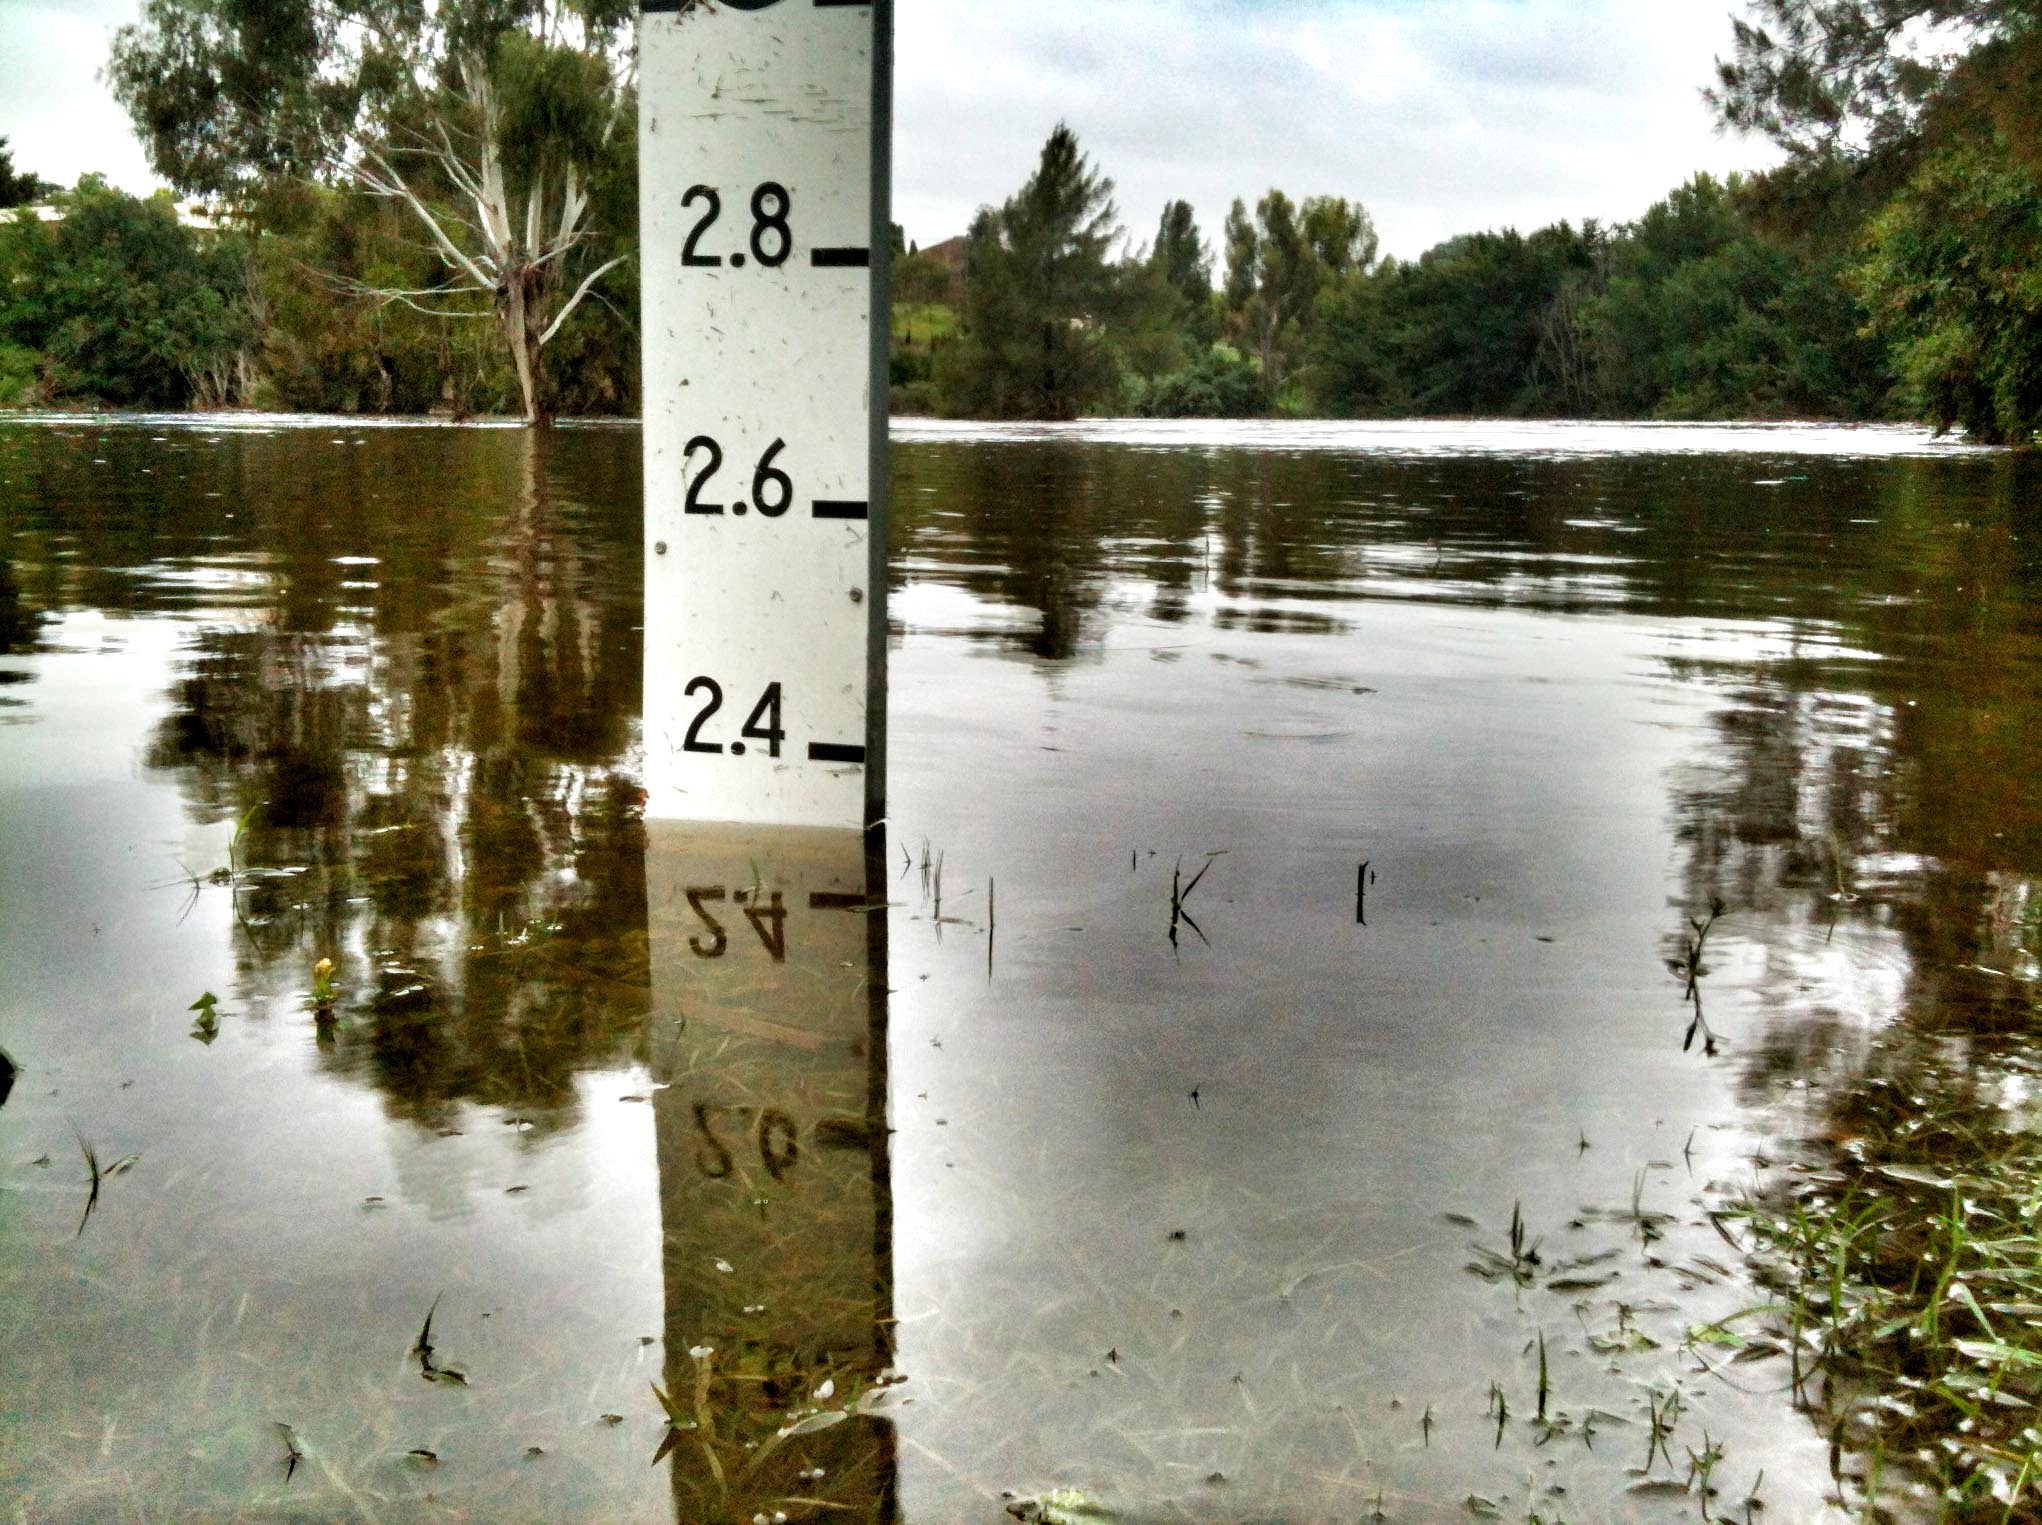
765, 241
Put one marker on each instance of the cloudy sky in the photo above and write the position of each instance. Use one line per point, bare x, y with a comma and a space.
1442, 116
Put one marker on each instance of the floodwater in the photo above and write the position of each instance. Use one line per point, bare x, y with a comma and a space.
628, 1172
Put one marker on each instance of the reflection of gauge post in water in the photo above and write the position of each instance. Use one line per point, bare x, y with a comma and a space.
765, 243
768, 1044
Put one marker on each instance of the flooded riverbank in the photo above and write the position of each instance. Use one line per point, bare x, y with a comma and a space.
1391, 1169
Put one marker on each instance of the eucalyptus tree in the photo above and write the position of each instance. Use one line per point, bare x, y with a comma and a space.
1278, 264
496, 125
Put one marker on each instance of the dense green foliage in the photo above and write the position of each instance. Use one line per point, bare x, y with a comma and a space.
1932, 155
17, 186
1691, 312
1279, 263
1953, 279
1460, 330
500, 128
1697, 315
1889, 268
119, 302
1040, 294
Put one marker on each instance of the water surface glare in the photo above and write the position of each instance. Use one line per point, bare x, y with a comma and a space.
1380, 1172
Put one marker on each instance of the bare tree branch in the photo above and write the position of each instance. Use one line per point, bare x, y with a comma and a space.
391, 184
581, 291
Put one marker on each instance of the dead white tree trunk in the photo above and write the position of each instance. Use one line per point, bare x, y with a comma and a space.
517, 258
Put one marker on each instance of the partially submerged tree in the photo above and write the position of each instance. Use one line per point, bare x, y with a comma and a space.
1950, 280
491, 122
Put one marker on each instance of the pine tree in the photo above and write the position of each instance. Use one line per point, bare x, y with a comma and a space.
1039, 290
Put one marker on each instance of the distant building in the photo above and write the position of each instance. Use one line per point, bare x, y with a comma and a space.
205, 216
951, 254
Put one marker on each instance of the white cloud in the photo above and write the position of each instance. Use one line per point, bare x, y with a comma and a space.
1443, 116
59, 120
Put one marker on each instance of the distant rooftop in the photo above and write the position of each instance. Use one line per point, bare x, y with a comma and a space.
193, 214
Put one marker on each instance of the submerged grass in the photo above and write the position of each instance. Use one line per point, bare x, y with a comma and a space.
1910, 1312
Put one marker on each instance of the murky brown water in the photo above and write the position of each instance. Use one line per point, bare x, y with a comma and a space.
916, 1212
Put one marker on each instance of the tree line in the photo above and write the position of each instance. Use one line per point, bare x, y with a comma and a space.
1689, 312
434, 208
1890, 267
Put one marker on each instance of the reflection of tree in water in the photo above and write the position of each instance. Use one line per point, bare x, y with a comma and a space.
1081, 533
1028, 525
1876, 773
432, 763
18, 625
1067, 530
1870, 808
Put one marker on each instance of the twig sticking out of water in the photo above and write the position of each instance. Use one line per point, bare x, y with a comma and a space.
99, 1174
423, 1349
1664, 1416
91, 1165
1545, 1385
1521, 1265
1699, 1024
1180, 892
1689, 967
1690, 962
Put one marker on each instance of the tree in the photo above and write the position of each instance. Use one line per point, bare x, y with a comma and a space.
489, 122
19, 187
123, 303
1951, 280
1927, 115
328, 347
1241, 250
1460, 330
1040, 294
1700, 317
1277, 266
1221, 383
919, 279
1181, 255
1872, 79
1357, 357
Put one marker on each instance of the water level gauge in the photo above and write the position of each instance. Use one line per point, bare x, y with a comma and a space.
765, 241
